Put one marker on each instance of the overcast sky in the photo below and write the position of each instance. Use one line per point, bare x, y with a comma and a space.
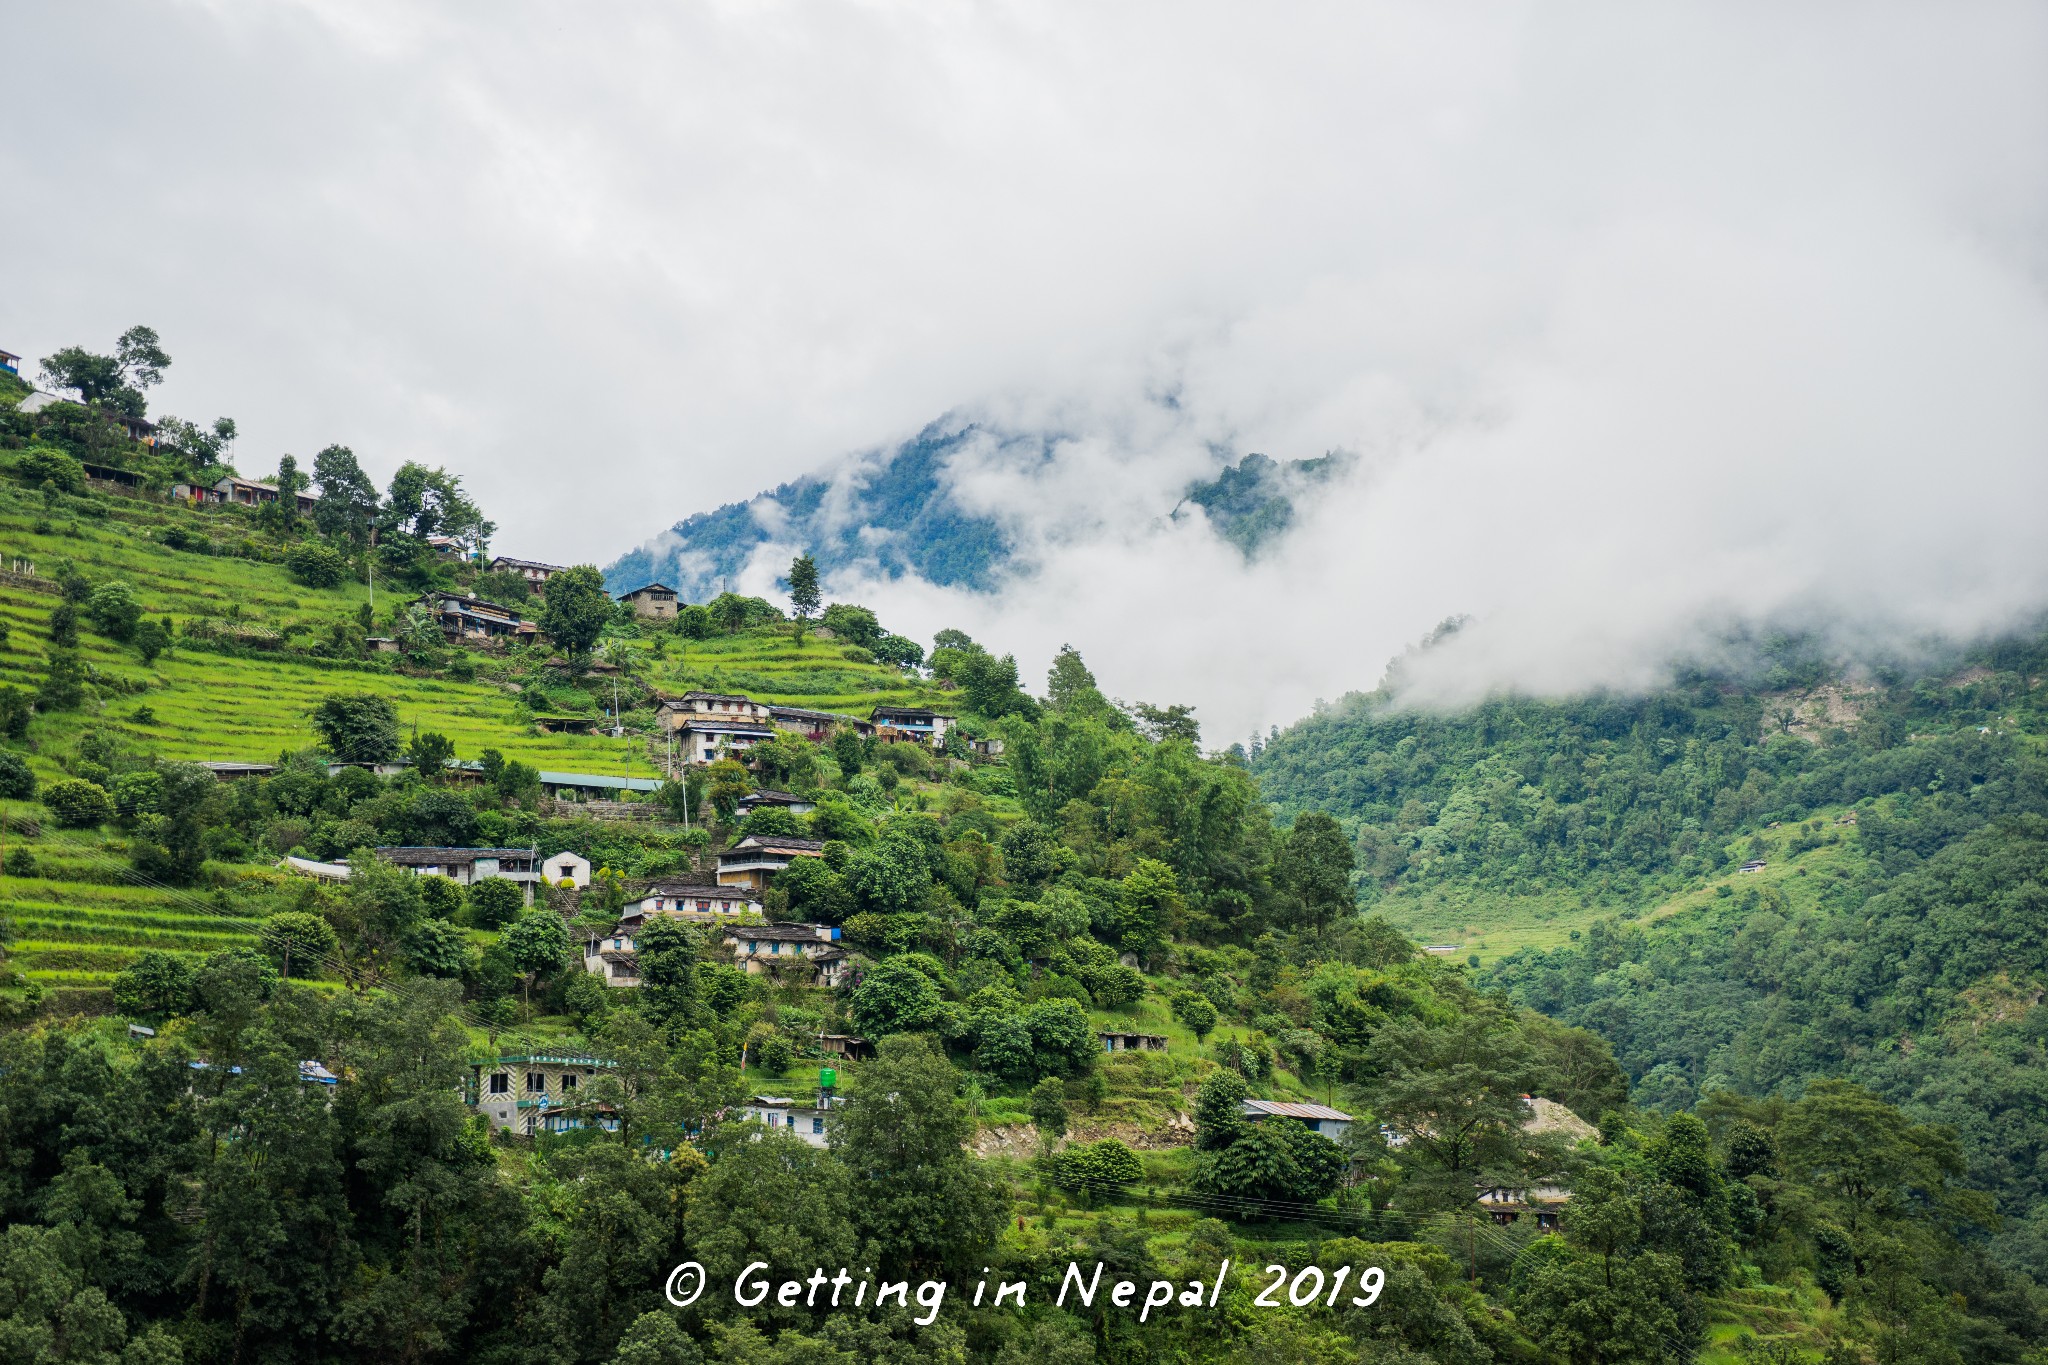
1639, 317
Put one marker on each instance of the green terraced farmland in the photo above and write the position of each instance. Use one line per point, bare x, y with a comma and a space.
81, 918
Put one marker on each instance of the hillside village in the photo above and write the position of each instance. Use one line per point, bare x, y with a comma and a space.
463, 922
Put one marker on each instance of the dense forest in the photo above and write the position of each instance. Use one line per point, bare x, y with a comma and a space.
1903, 805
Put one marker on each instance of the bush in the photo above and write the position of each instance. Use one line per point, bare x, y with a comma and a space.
114, 611
78, 805
16, 704
358, 727
40, 464
315, 564
777, 1056
1089, 1166
17, 779
495, 902
298, 943
441, 896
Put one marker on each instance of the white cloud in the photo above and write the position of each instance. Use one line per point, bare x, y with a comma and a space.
1635, 315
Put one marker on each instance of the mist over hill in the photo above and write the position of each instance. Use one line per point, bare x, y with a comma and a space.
899, 511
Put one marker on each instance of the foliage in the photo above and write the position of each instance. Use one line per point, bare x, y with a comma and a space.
494, 902
576, 608
17, 779
292, 934
315, 564
894, 998
78, 804
40, 465
359, 727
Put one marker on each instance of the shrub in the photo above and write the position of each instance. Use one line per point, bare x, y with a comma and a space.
359, 727
441, 896
298, 943
114, 611
40, 464
78, 805
777, 1056
15, 706
315, 564
19, 862
1089, 1166
495, 902
139, 793
17, 779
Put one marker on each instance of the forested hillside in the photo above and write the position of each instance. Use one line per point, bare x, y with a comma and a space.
1889, 929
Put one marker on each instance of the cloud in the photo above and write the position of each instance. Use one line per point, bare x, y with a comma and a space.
1636, 317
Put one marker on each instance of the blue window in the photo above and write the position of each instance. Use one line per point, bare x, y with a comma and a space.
817, 1125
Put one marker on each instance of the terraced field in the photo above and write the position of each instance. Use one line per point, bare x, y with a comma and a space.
80, 919
194, 704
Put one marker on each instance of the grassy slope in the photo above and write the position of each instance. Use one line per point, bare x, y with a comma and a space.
81, 921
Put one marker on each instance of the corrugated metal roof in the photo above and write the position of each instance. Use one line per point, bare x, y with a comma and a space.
1288, 1110
631, 784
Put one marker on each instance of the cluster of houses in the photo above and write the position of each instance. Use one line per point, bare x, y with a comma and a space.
708, 726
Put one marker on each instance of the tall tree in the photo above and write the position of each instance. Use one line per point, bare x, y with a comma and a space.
1315, 867
576, 608
1453, 1092
927, 1206
116, 381
347, 506
803, 587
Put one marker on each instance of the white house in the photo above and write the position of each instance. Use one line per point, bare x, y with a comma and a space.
806, 1120
566, 865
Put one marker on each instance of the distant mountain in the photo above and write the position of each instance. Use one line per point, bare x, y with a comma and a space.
896, 514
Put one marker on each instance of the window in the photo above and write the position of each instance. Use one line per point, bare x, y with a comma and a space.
818, 1125
501, 1084
536, 1082
568, 1082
